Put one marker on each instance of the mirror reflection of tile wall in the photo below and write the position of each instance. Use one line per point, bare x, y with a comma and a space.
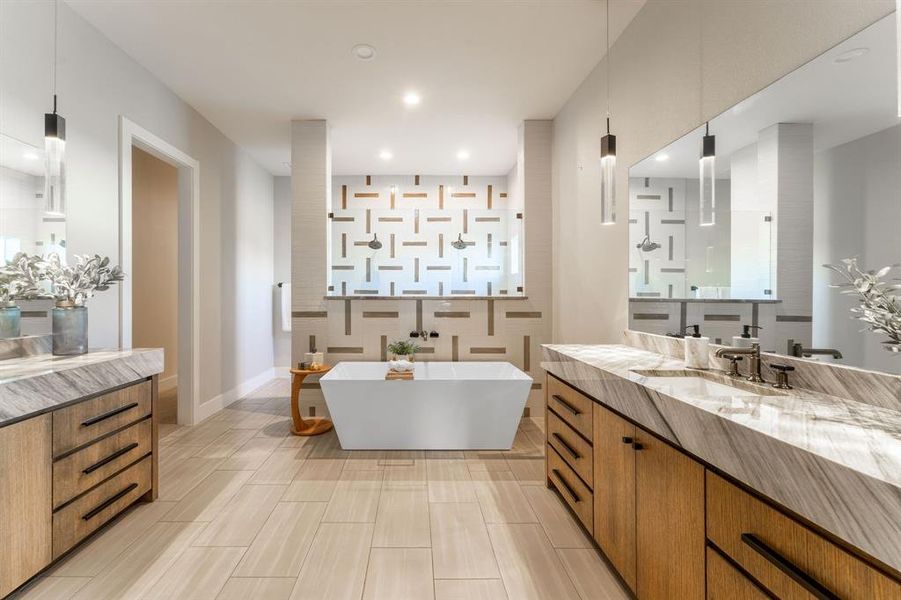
417, 220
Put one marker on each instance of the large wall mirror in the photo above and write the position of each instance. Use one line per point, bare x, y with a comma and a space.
806, 172
26, 224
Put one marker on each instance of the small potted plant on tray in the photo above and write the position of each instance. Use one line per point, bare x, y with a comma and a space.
403, 350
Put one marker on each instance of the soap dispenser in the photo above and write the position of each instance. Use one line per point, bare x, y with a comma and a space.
696, 349
745, 339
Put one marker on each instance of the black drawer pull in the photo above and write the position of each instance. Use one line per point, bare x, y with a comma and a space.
627, 440
110, 458
566, 446
99, 508
107, 415
637, 446
816, 589
575, 411
569, 489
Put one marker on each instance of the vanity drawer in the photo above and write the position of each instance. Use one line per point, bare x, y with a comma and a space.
572, 447
778, 551
89, 466
574, 492
84, 422
725, 582
77, 520
573, 407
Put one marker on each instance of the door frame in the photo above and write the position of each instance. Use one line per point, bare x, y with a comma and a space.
131, 134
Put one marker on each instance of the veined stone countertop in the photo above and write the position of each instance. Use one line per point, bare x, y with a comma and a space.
32, 385
833, 461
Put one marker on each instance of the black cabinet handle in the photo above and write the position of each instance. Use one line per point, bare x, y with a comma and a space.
637, 446
99, 508
566, 446
110, 458
816, 589
569, 489
575, 411
107, 415
627, 440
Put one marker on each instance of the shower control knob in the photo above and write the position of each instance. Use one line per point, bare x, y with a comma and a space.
433, 334
414, 334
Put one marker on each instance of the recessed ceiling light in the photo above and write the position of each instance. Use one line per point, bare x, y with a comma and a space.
363, 51
412, 99
463, 155
661, 157
30, 156
386, 155
850, 55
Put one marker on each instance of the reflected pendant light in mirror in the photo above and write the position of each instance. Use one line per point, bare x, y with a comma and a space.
55, 143
707, 191
608, 150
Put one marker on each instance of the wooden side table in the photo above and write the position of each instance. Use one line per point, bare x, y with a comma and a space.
313, 425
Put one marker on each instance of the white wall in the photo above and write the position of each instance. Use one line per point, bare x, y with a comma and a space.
98, 83
668, 54
281, 229
857, 210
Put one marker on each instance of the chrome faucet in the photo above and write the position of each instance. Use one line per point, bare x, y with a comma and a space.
753, 354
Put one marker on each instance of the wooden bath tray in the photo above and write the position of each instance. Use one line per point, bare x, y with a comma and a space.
397, 375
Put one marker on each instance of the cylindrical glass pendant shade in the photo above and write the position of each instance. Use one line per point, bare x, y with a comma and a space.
707, 191
608, 179
55, 165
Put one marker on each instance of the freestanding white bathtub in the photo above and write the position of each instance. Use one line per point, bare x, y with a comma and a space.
447, 406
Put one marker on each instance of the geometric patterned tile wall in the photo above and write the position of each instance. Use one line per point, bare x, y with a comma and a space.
417, 218
657, 210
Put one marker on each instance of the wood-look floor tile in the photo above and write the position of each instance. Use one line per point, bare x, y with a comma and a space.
529, 565
469, 589
91, 557
242, 518
406, 473
561, 528
199, 435
403, 519
250, 456
449, 481
359, 463
396, 573
257, 588
280, 429
281, 466
242, 418
135, 571
354, 501
282, 544
590, 574
198, 574
226, 444
316, 480
177, 481
486, 462
51, 588
528, 470
335, 568
209, 496
460, 544
504, 502
493, 476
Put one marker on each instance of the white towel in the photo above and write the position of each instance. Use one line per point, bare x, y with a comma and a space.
285, 292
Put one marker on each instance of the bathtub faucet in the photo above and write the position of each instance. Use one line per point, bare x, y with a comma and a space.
424, 334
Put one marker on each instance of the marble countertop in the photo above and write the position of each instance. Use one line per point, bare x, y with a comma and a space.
833, 461
706, 300
32, 385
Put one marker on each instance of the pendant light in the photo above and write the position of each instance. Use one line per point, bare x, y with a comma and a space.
707, 191
608, 151
55, 142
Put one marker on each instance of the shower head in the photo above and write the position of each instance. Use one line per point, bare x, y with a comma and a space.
459, 244
646, 245
375, 244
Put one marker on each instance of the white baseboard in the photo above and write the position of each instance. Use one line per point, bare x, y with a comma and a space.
168, 383
282, 372
217, 403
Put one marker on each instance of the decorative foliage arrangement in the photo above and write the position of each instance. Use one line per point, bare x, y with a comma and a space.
70, 285
403, 348
879, 306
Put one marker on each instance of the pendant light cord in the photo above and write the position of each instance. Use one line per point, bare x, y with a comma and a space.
607, 41
55, 51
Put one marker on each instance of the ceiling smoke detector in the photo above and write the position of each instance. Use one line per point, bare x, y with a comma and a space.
363, 51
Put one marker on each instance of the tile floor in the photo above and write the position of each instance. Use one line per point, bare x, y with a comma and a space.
246, 510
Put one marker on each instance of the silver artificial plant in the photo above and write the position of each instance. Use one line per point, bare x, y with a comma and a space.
879, 306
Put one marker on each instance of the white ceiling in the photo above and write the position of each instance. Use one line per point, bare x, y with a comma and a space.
843, 100
481, 67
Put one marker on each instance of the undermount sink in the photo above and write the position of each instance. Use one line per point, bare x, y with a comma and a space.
704, 383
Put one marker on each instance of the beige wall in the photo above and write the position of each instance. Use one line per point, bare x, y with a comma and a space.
669, 54
155, 259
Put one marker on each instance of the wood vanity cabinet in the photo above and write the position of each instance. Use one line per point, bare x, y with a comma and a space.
66, 473
648, 510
